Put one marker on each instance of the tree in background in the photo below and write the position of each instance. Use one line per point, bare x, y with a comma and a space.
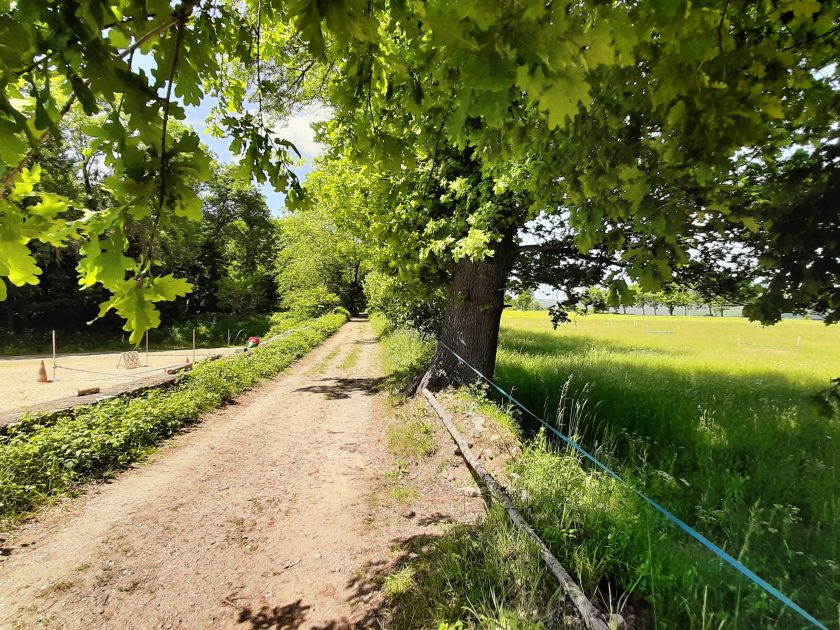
595, 298
525, 301
408, 302
238, 245
322, 250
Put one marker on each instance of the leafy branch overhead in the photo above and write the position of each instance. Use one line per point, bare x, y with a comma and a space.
652, 131
59, 57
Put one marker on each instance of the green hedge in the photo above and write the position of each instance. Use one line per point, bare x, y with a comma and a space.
38, 461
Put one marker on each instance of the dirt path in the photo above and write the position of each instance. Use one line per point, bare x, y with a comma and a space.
262, 516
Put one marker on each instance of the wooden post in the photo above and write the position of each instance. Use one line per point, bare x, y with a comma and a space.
53, 345
591, 616
193, 345
147, 348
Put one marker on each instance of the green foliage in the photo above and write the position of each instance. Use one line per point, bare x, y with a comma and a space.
241, 293
595, 298
624, 129
87, 64
320, 243
311, 302
525, 302
39, 460
411, 438
655, 135
233, 246
405, 351
487, 575
409, 304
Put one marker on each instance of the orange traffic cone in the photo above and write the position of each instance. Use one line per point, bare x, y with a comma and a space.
187, 361
42, 373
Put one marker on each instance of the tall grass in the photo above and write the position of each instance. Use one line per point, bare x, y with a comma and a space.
405, 351
485, 574
725, 436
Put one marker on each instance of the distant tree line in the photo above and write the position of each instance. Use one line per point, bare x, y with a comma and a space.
673, 298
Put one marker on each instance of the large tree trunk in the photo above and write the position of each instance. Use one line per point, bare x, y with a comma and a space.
471, 317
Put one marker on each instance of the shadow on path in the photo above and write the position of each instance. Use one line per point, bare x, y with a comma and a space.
334, 388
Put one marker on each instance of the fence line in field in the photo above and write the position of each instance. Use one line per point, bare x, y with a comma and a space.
708, 544
797, 345
648, 331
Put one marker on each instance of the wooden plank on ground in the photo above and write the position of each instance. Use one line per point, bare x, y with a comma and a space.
590, 615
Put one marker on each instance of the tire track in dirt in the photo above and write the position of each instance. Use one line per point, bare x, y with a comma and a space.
260, 516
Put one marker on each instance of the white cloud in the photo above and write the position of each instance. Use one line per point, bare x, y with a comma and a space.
298, 130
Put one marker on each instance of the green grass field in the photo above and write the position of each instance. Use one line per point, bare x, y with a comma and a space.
724, 435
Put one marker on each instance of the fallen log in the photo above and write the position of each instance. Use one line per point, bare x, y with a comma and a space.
590, 615
180, 368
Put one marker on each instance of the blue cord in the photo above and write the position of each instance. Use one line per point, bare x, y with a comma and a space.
787, 601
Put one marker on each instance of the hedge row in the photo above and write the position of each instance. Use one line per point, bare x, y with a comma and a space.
40, 461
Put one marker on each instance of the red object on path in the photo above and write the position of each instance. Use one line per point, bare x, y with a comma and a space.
253, 342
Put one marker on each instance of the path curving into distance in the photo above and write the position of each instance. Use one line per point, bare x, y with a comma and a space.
260, 516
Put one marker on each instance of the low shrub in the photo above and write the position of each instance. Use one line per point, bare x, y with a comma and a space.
405, 351
39, 461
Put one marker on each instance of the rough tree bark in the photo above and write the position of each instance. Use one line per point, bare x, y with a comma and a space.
471, 317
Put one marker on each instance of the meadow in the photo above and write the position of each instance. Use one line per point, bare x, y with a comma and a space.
722, 432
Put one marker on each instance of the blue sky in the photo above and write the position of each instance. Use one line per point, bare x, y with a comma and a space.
297, 129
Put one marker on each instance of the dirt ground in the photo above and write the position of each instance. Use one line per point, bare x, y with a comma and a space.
274, 512
20, 390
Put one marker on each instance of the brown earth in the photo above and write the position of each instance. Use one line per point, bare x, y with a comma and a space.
278, 511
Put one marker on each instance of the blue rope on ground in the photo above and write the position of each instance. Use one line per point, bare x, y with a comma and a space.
723, 555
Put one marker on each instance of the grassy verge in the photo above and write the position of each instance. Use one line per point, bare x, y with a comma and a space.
485, 574
405, 352
39, 462
726, 437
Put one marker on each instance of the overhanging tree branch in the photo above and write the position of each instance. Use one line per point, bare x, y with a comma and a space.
558, 247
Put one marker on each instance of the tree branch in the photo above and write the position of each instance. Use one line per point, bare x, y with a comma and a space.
570, 249
163, 157
180, 15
